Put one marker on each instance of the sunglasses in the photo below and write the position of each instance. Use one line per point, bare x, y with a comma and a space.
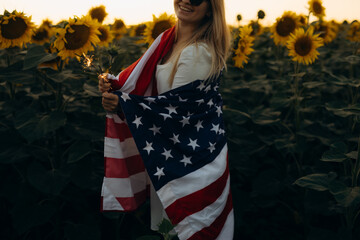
196, 2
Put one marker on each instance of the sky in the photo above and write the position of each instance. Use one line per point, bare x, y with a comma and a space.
138, 11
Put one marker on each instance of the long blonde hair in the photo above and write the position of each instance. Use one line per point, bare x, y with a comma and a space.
214, 32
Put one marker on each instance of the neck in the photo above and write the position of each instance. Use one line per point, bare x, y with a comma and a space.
185, 31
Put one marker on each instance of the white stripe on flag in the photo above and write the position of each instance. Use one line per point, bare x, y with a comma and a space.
193, 181
228, 230
124, 187
114, 116
204, 218
109, 201
113, 148
130, 83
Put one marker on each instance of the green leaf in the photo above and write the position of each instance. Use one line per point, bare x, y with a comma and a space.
36, 55
345, 196
79, 150
51, 122
317, 181
47, 181
333, 156
165, 226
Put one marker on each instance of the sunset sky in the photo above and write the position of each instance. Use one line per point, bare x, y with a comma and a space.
137, 11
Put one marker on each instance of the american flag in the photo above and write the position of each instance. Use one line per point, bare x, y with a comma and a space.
178, 139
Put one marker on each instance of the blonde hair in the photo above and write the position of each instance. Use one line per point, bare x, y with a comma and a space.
214, 32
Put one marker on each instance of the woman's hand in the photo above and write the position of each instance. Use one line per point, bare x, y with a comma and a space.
110, 101
104, 84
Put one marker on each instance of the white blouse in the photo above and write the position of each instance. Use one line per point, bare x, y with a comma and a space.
194, 64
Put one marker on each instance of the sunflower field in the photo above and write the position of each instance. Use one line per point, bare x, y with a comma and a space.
292, 114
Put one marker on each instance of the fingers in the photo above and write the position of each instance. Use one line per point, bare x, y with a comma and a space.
110, 101
103, 85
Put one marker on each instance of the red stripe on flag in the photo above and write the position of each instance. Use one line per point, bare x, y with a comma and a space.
117, 130
212, 232
198, 200
148, 73
123, 168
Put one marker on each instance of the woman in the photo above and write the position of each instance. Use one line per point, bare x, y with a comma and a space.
178, 131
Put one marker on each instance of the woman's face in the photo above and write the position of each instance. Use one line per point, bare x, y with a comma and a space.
190, 14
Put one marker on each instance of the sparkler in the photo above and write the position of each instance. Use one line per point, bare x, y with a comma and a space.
88, 64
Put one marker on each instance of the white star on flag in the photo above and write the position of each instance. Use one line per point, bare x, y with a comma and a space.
148, 147
167, 154
193, 143
171, 109
165, 115
199, 125
155, 129
208, 88
182, 100
159, 173
150, 100
212, 147
201, 86
186, 160
185, 121
160, 97
200, 101
137, 121
175, 138
218, 110
144, 106
210, 103
125, 96
215, 128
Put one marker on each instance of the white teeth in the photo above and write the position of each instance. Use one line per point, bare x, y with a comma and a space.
185, 9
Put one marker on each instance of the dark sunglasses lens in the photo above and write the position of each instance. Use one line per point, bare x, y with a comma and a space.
196, 2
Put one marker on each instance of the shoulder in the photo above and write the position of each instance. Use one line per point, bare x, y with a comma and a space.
197, 52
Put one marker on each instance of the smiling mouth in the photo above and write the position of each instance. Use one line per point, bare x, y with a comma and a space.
185, 9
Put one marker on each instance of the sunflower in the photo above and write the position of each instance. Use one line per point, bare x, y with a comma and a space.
243, 47
303, 46
157, 26
98, 13
257, 28
15, 29
353, 33
105, 36
317, 8
327, 31
43, 33
118, 28
284, 26
78, 37
138, 30
303, 19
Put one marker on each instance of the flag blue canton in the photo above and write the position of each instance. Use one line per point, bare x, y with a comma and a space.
178, 131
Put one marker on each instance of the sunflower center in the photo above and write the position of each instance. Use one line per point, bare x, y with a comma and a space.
118, 24
140, 29
14, 29
323, 31
98, 14
78, 38
317, 7
104, 35
160, 27
303, 46
40, 34
285, 26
